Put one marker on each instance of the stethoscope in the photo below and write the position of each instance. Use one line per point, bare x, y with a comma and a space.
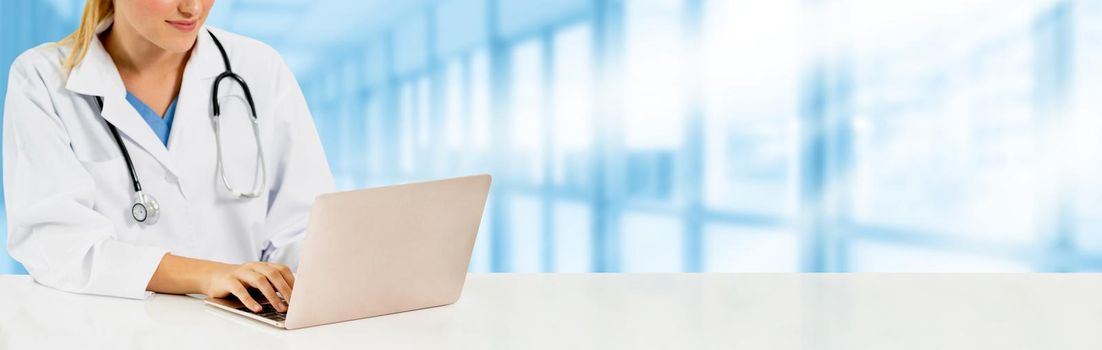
146, 210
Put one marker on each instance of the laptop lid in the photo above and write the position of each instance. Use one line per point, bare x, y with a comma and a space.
385, 250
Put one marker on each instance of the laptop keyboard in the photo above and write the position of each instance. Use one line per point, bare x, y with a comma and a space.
268, 312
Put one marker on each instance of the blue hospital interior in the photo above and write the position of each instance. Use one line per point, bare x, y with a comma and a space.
707, 135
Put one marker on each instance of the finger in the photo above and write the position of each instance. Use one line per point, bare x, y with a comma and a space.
277, 281
242, 294
258, 281
287, 275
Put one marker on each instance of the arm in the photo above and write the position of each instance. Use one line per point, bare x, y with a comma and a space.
301, 170
53, 230
180, 275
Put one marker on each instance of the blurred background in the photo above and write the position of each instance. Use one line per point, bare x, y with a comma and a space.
707, 135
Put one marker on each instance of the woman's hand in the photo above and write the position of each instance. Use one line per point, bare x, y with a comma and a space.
181, 275
269, 278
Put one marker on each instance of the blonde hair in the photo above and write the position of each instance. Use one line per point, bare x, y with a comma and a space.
95, 11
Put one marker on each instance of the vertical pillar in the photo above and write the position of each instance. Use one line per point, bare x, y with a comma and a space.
607, 168
1053, 53
547, 39
500, 73
690, 162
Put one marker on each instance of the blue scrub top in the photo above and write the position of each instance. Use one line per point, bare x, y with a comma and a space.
160, 126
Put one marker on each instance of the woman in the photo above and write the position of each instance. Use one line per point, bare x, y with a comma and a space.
126, 146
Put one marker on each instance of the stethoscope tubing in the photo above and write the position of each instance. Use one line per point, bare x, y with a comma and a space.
145, 201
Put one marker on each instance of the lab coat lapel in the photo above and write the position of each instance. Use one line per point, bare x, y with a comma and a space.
97, 75
120, 113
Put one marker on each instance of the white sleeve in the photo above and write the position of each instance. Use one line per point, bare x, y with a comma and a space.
52, 229
301, 170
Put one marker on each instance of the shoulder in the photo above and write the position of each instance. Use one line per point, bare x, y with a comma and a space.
265, 69
240, 48
41, 62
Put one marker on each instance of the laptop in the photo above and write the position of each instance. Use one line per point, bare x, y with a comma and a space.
380, 251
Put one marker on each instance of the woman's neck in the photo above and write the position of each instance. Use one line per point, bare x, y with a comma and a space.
152, 74
136, 57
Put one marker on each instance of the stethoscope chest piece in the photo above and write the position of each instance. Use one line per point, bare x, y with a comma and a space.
145, 210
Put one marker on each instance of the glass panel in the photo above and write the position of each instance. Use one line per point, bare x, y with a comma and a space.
407, 113
651, 243
752, 58
884, 257
377, 144
482, 257
745, 249
654, 97
454, 102
944, 127
573, 106
480, 100
424, 115
654, 74
527, 112
1084, 144
411, 47
525, 235
573, 237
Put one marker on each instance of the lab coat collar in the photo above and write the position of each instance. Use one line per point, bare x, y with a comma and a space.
206, 61
96, 75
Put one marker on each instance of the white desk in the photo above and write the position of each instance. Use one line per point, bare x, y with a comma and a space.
613, 311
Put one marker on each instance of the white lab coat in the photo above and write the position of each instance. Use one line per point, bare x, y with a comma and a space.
69, 195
